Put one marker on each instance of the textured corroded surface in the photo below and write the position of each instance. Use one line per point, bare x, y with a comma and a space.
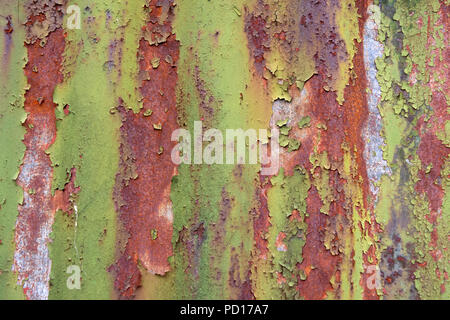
359, 208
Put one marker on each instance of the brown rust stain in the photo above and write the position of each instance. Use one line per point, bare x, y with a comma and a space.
315, 255
36, 213
143, 183
342, 127
261, 222
62, 199
356, 113
320, 264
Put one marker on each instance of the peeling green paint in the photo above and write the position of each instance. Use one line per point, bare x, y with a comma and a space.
88, 141
404, 75
287, 234
211, 202
308, 231
13, 84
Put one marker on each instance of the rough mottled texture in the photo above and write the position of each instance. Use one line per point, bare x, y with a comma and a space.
358, 89
146, 168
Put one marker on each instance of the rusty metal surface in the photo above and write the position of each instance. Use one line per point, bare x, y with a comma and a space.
94, 204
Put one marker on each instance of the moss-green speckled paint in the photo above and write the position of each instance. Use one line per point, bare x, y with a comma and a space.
320, 192
211, 202
100, 67
404, 102
13, 84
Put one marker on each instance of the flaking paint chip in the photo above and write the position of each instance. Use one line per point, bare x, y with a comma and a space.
281, 123
169, 59
237, 11
304, 122
155, 63
285, 130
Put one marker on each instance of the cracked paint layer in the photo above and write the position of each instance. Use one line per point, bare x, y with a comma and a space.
146, 169
34, 222
358, 89
12, 114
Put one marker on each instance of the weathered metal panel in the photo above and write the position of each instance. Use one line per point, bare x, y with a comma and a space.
96, 201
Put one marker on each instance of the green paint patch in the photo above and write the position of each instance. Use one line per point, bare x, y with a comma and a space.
211, 203
404, 76
284, 140
304, 122
321, 179
154, 234
347, 22
88, 140
12, 115
299, 38
287, 233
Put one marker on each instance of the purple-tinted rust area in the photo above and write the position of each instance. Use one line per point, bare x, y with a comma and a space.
255, 27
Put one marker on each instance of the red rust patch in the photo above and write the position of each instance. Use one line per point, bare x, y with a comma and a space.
36, 213
144, 201
261, 222
317, 282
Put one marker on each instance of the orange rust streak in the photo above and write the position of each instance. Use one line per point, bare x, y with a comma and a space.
315, 254
355, 114
36, 213
144, 203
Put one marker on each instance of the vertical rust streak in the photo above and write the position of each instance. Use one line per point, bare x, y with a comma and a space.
146, 168
35, 219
